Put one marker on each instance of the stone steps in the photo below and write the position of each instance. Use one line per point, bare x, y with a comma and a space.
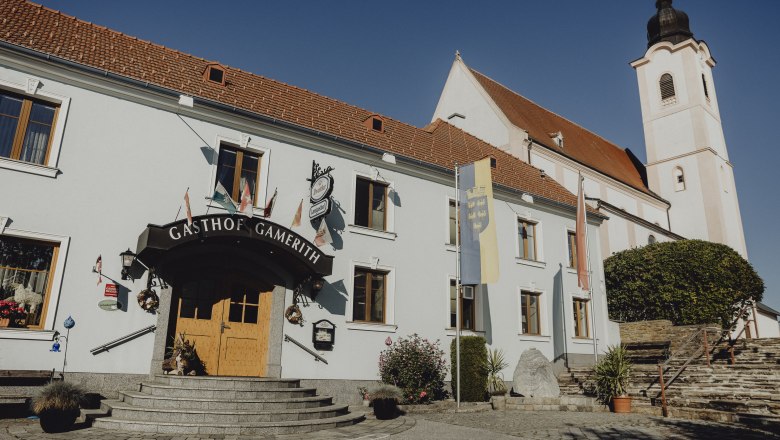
222, 406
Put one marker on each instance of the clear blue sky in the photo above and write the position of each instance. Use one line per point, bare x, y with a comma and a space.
570, 56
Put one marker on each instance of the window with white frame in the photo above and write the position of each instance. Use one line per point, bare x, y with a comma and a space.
668, 94
571, 242
526, 239
236, 166
452, 222
468, 306
369, 295
679, 179
530, 313
581, 324
31, 268
371, 204
31, 127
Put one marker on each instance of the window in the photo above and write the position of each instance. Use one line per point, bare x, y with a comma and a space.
26, 268
679, 179
571, 239
215, 73
26, 128
667, 89
236, 165
493, 162
453, 216
530, 317
704, 83
581, 326
651, 239
371, 204
467, 307
368, 303
375, 122
526, 239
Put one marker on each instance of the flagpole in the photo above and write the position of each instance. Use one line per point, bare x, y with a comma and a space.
457, 289
590, 278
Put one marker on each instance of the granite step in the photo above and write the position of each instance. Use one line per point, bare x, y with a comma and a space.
123, 411
137, 398
239, 428
157, 389
226, 382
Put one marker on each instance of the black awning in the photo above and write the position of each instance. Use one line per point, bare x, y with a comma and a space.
300, 257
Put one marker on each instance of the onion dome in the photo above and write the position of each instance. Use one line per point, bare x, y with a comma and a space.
668, 24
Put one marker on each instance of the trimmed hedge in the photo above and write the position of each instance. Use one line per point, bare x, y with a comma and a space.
473, 367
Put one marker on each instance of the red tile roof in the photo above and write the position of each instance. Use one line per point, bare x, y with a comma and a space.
579, 144
44, 30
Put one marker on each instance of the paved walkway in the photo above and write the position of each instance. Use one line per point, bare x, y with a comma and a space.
451, 426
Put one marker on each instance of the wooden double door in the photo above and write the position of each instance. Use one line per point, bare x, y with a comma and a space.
228, 320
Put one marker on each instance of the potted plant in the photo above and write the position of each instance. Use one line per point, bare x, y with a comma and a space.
57, 406
11, 313
384, 399
495, 379
613, 375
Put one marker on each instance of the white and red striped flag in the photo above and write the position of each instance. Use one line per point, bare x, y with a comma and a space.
246, 207
323, 235
187, 206
582, 252
297, 218
269, 207
99, 268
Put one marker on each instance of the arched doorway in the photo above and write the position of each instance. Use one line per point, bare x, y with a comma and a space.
228, 276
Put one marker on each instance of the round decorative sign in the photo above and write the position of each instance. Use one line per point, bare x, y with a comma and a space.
321, 188
110, 305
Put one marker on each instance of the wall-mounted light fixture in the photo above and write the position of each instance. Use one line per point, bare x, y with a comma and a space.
128, 257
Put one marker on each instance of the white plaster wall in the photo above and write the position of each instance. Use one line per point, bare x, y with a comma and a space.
768, 326
461, 95
125, 164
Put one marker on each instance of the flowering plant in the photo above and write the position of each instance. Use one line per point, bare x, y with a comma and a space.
12, 310
364, 393
417, 366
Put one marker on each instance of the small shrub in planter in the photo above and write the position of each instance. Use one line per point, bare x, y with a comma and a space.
495, 379
57, 406
384, 399
473, 369
613, 373
417, 366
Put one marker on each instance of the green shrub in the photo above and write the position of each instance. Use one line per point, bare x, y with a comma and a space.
473, 369
417, 366
686, 282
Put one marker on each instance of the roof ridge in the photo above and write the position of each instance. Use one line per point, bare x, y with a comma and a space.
548, 110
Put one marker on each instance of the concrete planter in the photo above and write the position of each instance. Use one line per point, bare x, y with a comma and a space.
498, 402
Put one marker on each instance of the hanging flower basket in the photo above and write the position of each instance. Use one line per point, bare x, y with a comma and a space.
148, 300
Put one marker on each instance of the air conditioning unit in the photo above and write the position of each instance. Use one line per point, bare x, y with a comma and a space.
468, 292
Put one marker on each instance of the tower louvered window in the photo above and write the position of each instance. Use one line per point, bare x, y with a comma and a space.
704, 82
667, 89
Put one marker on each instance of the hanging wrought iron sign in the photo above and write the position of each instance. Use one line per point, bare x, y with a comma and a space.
320, 190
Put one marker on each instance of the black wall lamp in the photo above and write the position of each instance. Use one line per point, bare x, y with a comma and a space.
128, 257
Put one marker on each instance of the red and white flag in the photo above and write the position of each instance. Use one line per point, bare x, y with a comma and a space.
246, 207
187, 206
323, 235
270, 205
99, 268
582, 252
297, 218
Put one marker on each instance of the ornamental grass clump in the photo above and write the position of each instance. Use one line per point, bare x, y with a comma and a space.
415, 365
57, 406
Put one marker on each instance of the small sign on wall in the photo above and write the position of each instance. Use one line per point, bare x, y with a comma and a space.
110, 290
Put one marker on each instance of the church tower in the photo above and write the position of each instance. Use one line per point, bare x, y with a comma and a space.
687, 161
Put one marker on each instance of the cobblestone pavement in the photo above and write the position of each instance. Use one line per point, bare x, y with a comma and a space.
450, 426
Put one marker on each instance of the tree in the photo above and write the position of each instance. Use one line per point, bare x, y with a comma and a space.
686, 282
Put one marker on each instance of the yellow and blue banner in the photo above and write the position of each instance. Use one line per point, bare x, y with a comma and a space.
478, 248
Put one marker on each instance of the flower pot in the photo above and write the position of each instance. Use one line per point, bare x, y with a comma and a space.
621, 404
366, 402
385, 409
498, 402
56, 420
5, 322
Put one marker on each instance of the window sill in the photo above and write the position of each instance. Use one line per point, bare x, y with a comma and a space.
362, 230
451, 332
371, 327
30, 335
450, 247
26, 167
534, 338
572, 270
576, 340
532, 263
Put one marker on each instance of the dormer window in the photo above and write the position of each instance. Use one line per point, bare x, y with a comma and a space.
557, 139
492, 162
375, 122
215, 73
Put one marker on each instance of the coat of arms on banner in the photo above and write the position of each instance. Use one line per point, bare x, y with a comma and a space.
477, 209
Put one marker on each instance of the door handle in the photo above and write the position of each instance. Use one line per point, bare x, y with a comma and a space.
222, 327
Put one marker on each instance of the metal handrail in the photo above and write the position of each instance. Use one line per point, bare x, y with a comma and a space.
317, 357
128, 337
